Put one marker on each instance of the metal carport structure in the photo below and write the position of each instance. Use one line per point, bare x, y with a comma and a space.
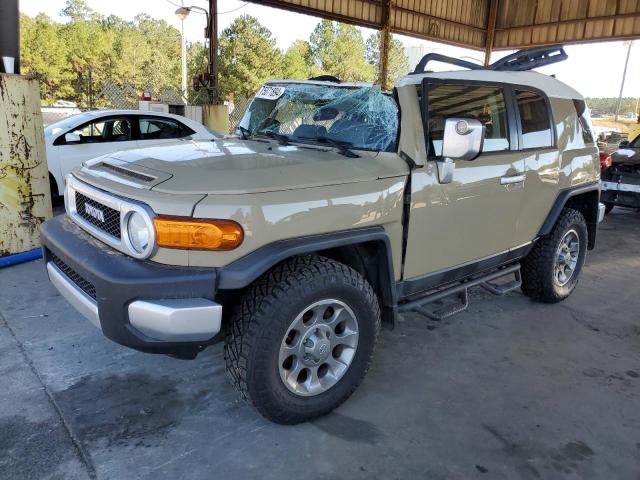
485, 25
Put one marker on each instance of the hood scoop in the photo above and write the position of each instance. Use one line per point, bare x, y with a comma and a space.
124, 173
127, 173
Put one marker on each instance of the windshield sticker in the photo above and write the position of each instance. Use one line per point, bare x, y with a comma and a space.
270, 92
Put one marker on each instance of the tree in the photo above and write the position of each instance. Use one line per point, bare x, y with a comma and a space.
247, 57
397, 61
44, 56
298, 61
339, 50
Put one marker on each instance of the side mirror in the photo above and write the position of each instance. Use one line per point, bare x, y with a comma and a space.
462, 140
623, 144
72, 138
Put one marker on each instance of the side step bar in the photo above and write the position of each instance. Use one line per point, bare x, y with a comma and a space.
461, 291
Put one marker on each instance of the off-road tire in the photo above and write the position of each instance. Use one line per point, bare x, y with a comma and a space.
257, 328
538, 279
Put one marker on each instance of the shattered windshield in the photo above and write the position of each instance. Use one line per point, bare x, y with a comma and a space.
360, 118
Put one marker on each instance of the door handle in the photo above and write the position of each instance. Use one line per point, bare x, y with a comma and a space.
510, 180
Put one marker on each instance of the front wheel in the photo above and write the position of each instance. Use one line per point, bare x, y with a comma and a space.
550, 271
302, 338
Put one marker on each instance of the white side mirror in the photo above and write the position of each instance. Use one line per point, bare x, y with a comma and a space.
462, 140
72, 138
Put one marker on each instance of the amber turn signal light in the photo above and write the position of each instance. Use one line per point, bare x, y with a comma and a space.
197, 234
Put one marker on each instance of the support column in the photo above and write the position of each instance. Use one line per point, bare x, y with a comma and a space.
491, 31
385, 43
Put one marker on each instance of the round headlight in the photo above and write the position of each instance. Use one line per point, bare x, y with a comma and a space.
139, 233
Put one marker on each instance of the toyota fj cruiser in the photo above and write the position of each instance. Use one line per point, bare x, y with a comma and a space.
334, 208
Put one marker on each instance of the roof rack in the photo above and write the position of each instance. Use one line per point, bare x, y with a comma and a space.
325, 78
519, 61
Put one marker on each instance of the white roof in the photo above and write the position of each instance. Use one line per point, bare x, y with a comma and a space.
551, 86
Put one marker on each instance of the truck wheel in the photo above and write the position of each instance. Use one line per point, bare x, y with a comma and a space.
550, 271
302, 338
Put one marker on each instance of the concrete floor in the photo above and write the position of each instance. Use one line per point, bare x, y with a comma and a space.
509, 389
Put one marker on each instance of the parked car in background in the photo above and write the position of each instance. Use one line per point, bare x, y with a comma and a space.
79, 138
621, 181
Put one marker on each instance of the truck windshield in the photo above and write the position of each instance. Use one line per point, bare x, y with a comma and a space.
358, 118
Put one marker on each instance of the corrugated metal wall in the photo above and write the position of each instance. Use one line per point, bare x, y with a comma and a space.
519, 23
540, 22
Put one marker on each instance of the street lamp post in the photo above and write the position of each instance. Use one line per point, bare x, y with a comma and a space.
211, 33
183, 48
215, 114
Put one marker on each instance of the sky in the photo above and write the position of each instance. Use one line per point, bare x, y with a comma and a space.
594, 69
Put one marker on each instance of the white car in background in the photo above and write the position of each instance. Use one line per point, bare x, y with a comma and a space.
74, 140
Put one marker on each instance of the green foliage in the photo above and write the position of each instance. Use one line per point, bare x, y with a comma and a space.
247, 57
298, 62
397, 63
339, 50
604, 106
89, 49
43, 55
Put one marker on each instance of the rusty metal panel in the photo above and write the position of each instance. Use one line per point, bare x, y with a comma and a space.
25, 199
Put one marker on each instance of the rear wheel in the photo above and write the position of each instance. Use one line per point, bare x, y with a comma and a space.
550, 271
302, 339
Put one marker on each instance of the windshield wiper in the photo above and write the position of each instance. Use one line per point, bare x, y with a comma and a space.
282, 139
342, 146
245, 132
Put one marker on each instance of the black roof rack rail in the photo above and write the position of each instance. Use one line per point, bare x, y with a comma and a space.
519, 61
530, 58
437, 57
325, 78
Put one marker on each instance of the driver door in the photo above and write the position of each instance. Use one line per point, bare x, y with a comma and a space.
473, 217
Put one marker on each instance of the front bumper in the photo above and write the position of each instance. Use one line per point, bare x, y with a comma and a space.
140, 304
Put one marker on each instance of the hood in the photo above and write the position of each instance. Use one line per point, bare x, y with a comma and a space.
236, 166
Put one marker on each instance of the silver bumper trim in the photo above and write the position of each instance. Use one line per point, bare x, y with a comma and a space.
178, 320
601, 210
82, 302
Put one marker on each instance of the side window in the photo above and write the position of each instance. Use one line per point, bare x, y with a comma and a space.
534, 116
161, 128
105, 130
584, 120
484, 103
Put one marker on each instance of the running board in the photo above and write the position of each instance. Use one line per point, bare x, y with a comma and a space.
461, 291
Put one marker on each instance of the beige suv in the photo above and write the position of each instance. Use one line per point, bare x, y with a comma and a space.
334, 208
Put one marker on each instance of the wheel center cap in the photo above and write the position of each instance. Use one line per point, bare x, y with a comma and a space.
317, 347
323, 349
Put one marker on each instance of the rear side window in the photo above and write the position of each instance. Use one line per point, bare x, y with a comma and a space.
162, 128
483, 103
584, 120
534, 116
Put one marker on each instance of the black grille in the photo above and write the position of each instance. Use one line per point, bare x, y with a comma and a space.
111, 224
84, 285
